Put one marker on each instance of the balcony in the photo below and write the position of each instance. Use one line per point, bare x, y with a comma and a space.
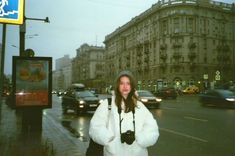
176, 45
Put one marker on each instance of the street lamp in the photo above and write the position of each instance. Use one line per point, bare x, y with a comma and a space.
23, 31
46, 20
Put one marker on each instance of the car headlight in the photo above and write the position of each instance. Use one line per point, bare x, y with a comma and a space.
229, 99
158, 99
144, 100
81, 102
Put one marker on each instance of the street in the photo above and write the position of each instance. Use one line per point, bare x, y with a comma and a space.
186, 128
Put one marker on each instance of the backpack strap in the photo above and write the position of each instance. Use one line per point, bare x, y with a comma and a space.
109, 103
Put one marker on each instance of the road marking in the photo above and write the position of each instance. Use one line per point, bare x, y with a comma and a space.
182, 134
198, 119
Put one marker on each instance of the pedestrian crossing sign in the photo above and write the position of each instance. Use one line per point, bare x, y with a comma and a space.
11, 11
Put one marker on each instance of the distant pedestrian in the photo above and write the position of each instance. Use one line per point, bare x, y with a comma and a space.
129, 127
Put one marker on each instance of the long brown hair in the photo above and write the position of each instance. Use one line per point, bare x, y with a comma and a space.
131, 100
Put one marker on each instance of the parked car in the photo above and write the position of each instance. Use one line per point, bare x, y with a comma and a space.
148, 99
79, 101
60, 93
54, 92
191, 90
217, 97
169, 92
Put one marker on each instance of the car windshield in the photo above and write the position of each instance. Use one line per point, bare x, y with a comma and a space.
226, 93
85, 94
145, 94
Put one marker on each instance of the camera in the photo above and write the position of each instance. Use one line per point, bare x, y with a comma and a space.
128, 137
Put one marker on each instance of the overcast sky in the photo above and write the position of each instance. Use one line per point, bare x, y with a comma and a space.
72, 23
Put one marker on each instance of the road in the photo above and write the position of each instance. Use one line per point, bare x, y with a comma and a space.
185, 127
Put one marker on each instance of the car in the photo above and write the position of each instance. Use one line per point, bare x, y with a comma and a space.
217, 97
53, 92
169, 92
148, 99
60, 93
191, 90
79, 101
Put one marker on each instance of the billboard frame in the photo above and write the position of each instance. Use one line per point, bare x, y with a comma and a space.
32, 82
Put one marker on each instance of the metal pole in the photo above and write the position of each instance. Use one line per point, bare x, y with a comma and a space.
2, 59
22, 38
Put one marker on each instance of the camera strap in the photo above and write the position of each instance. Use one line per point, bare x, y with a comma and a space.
109, 103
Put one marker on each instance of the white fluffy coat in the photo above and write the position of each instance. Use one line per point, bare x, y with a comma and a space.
104, 129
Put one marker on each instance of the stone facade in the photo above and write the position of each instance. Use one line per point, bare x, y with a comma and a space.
175, 43
88, 65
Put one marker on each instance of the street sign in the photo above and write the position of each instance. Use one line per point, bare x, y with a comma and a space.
11, 11
205, 76
217, 77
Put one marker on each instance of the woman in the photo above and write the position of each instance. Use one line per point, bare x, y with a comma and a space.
129, 128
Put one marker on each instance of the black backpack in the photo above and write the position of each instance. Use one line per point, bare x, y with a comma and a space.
95, 149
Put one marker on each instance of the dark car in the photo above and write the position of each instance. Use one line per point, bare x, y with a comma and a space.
148, 99
217, 97
167, 93
60, 93
79, 101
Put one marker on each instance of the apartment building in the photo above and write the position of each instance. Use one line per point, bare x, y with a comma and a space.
62, 76
88, 65
175, 43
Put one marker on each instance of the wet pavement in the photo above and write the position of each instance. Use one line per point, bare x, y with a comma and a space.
52, 140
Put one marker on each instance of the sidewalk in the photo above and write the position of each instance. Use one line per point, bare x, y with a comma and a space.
54, 140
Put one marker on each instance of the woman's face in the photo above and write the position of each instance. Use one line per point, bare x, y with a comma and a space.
124, 86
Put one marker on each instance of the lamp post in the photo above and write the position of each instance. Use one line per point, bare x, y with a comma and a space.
23, 31
31, 117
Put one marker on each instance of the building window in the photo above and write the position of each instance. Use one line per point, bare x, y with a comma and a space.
190, 25
176, 25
